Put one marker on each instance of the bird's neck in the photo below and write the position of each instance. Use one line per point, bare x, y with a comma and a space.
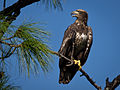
81, 22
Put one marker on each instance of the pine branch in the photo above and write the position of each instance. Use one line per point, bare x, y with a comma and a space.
6, 83
10, 13
32, 50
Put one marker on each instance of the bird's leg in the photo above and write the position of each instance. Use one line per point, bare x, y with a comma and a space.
75, 61
78, 63
71, 63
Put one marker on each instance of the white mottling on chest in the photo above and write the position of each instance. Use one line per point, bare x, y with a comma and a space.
81, 41
78, 23
78, 35
82, 36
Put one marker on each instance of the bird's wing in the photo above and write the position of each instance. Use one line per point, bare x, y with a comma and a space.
89, 43
67, 42
67, 73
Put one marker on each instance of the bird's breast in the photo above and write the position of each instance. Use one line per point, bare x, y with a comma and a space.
81, 40
81, 36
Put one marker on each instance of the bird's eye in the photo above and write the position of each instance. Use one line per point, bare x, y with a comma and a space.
79, 11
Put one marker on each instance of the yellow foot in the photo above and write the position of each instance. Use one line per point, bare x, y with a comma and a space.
78, 63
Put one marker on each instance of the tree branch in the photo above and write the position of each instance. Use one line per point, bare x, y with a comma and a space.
17, 6
4, 4
90, 80
10, 13
11, 45
9, 54
60, 55
9, 38
82, 71
112, 85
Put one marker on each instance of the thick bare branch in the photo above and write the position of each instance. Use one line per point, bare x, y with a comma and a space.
112, 85
17, 6
109, 85
10, 13
13, 11
4, 4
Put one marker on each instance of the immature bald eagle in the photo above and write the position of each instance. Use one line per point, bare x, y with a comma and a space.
76, 46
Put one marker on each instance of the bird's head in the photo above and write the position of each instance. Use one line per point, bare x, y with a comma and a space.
80, 14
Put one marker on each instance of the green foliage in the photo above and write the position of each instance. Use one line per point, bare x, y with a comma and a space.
6, 85
26, 41
33, 47
3, 28
30, 43
53, 3
30, 31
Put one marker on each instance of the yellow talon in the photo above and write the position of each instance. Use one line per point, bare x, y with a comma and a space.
78, 63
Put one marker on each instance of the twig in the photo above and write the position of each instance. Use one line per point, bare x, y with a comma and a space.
82, 71
60, 55
8, 55
11, 45
9, 38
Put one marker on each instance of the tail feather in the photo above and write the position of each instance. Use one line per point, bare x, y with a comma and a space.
64, 78
66, 75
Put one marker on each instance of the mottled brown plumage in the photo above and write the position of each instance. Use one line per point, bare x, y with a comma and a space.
77, 40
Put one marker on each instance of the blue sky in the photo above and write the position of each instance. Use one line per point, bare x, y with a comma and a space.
103, 60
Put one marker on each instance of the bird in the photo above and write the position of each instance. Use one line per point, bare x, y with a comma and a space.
76, 45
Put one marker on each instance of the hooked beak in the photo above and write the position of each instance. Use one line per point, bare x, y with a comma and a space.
75, 14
